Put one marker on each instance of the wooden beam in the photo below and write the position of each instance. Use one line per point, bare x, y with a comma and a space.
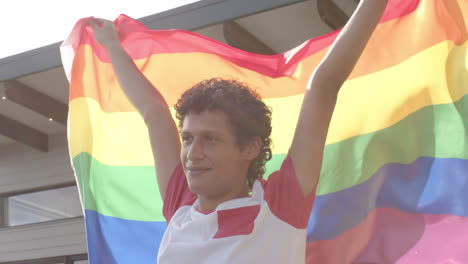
331, 14
38, 102
240, 38
21, 133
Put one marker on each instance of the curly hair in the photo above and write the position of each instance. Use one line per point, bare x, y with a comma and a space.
248, 114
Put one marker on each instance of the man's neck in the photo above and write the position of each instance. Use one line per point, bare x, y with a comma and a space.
209, 204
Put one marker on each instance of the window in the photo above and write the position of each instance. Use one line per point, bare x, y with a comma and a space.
78, 259
42, 206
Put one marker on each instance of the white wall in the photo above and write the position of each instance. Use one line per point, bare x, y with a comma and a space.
23, 168
64, 237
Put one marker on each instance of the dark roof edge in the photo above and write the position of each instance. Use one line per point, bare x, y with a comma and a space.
192, 16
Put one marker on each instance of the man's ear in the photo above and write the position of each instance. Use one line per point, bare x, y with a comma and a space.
252, 148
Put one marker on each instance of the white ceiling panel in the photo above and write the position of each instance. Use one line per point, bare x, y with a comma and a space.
52, 82
214, 32
30, 118
287, 27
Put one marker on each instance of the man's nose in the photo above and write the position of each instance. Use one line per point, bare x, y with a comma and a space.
195, 151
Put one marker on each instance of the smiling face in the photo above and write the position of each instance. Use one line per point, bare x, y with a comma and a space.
214, 164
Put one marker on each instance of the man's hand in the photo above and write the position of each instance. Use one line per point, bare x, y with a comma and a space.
105, 32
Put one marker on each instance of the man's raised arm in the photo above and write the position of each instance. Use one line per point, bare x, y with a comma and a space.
147, 100
308, 143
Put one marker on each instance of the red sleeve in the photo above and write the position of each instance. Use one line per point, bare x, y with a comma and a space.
177, 194
284, 196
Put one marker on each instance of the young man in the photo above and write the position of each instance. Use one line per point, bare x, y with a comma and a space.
218, 208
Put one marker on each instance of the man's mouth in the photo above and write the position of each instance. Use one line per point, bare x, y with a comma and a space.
195, 171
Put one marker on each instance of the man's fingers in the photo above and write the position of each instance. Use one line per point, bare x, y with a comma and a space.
103, 21
98, 22
104, 31
94, 22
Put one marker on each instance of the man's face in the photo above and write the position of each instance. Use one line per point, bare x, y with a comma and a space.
213, 163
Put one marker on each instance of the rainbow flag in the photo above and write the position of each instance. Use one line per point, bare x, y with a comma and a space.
394, 184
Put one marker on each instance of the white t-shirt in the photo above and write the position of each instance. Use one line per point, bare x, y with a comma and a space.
268, 227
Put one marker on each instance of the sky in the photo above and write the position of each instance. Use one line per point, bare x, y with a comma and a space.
30, 24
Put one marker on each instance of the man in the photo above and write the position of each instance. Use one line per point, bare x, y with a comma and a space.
218, 208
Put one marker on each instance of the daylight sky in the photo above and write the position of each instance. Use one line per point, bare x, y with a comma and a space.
30, 24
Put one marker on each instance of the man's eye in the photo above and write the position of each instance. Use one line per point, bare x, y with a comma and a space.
212, 139
186, 138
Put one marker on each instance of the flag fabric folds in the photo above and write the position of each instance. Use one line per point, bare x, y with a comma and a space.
394, 182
